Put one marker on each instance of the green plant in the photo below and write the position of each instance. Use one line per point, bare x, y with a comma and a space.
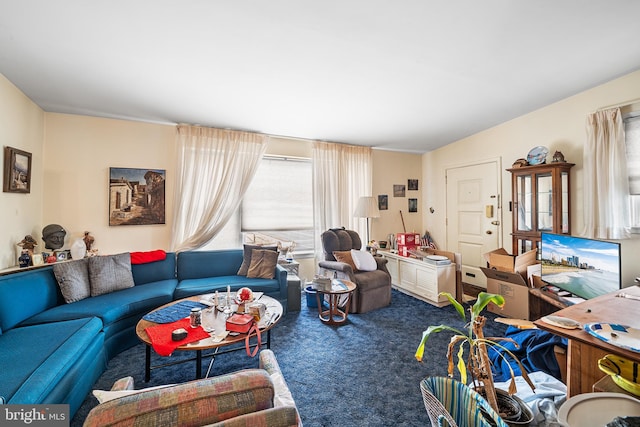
476, 363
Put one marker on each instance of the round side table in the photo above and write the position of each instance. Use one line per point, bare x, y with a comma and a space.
334, 315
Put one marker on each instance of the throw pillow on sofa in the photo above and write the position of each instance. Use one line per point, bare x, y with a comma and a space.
263, 264
345, 256
246, 259
73, 279
364, 261
108, 273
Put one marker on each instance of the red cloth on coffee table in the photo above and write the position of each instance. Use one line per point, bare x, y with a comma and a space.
160, 336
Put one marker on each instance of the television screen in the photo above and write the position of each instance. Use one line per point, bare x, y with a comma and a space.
584, 267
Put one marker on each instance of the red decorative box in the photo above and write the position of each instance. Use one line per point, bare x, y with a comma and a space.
403, 250
408, 239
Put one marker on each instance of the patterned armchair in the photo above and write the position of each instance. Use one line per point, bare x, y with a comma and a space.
374, 287
252, 397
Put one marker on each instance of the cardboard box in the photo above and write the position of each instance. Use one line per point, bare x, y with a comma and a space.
513, 287
501, 260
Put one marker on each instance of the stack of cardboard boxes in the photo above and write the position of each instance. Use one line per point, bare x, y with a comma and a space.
507, 276
406, 242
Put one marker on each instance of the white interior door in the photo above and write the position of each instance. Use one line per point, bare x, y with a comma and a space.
473, 216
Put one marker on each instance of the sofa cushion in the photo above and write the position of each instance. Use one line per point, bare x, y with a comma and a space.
187, 288
363, 260
248, 252
73, 279
110, 273
26, 293
155, 271
39, 356
202, 264
263, 264
113, 306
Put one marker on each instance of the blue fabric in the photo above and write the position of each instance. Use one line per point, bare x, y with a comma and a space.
155, 271
173, 313
535, 352
25, 294
113, 306
200, 264
36, 358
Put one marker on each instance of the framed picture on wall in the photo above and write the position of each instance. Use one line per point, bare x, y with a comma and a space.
17, 171
413, 205
136, 196
412, 184
398, 190
383, 202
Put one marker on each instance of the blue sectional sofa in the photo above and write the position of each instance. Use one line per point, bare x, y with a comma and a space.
53, 352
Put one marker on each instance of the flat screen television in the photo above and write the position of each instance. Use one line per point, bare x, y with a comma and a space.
584, 267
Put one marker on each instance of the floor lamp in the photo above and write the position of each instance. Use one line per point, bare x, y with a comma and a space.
367, 207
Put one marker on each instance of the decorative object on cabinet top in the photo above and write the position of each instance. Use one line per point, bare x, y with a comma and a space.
538, 155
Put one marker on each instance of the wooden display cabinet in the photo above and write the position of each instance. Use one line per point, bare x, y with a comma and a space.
541, 196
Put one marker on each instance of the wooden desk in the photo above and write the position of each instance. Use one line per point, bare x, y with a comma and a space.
584, 350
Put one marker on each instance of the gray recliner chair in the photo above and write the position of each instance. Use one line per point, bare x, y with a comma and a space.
373, 287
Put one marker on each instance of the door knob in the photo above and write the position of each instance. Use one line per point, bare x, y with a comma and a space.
489, 232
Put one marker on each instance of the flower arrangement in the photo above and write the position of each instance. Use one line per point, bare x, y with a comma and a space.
244, 295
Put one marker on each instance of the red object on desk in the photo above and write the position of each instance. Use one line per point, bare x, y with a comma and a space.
160, 336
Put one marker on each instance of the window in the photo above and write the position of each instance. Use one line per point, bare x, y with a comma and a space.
277, 206
279, 202
632, 140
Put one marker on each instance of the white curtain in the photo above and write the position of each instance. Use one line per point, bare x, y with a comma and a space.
606, 184
341, 174
214, 169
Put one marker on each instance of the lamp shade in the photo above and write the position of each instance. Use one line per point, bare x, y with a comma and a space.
367, 207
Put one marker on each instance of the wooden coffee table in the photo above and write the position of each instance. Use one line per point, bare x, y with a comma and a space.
274, 308
334, 315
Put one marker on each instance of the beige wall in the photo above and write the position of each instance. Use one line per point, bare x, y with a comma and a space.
22, 127
389, 168
560, 126
79, 150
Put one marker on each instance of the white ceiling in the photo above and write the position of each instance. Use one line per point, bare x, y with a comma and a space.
408, 75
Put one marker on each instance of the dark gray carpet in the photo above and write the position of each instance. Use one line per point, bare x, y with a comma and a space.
360, 374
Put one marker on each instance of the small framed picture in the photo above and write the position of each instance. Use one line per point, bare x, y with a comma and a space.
412, 184
383, 202
413, 205
37, 259
398, 190
62, 255
17, 171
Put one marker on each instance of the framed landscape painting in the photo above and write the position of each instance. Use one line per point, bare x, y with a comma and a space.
17, 171
136, 196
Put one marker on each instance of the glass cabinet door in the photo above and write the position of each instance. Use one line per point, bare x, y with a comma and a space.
525, 216
564, 179
544, 186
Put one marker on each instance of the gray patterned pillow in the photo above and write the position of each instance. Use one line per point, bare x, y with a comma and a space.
73, 279
110, 273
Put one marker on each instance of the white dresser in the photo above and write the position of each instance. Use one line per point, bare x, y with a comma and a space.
421, 279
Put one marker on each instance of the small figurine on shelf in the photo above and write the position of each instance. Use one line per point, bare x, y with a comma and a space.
25, 259
88, 240
27, 244
558, 157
